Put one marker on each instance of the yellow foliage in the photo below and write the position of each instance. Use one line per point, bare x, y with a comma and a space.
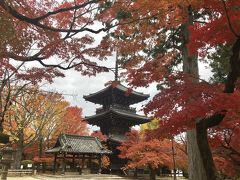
150, 125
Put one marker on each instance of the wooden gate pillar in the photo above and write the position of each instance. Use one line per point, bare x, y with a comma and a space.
99, 164
64, 163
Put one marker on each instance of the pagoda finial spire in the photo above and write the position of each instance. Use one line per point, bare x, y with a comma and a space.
116, 67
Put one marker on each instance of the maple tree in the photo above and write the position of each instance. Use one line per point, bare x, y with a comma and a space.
25, 122
54, 108
203, 24
72, 122
224, 142
14, 79
33, 129
105, 161
39, 30
69, 120
151, 38
178, 146
151, 153
8, 93
40, 38
65, 119
99, 135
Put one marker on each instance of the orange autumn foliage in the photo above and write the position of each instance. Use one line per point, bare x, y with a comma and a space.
48, 160
72, 122
105, 161
31, 28
144, 28
99, 135
225, 144
151, 153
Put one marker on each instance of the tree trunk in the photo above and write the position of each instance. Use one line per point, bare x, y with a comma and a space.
174, 163
40, 152
205, 151
4, 172
135, 175
152, 173
19, 151
196, 169
205, 158
18, 158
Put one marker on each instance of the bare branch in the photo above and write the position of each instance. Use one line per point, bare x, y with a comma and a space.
228, 19
74, 65
36, 20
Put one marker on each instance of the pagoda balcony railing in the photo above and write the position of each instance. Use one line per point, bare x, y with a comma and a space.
116, 106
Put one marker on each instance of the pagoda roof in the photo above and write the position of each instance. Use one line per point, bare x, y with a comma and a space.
120, 90
117, 137
78, 144
124, 115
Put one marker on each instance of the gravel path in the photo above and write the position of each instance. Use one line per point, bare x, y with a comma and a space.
82, 177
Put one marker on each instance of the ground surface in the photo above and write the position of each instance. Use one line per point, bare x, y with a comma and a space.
81, 177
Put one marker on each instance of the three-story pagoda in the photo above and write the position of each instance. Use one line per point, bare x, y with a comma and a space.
116, 117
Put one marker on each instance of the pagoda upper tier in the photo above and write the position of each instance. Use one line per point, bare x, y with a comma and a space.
116, 116
116, 94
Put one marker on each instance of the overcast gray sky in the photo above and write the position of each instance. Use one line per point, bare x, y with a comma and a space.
74, 86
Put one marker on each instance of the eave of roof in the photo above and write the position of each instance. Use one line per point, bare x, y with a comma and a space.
53, 150
116, 137
119, 87
138, 119
74, 144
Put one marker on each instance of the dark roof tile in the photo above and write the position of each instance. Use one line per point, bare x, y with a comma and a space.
133, 97
132, 117
78, 144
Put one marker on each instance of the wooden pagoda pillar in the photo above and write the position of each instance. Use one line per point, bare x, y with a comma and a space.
55, 163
